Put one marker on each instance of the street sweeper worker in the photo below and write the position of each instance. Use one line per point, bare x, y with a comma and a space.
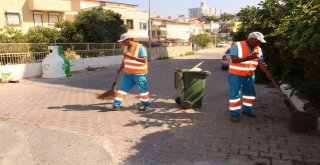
135, 67
245, 57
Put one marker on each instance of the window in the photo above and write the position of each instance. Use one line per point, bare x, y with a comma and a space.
13, 18
37, 17
129, 23
143, 26
53, 18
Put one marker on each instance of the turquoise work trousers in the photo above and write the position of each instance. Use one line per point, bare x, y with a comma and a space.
241, 86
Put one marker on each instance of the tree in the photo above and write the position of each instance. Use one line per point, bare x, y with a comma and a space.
10, 35
227, 16
99, 25
69, 32
211, 18
201, 39
43, 35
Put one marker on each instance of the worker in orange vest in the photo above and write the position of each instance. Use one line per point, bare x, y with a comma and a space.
245, 57
135, 66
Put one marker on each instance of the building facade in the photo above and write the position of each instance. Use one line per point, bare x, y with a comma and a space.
203, 10
168, 28
136, 21
27, 14
211, 27
197, 26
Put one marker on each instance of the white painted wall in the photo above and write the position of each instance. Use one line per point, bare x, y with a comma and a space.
35, 69
180, 31
21, 71
97, 62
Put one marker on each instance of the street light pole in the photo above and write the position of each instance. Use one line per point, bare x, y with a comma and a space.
215, 38
150, 33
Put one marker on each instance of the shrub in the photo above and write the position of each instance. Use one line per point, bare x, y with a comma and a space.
201, 39
10, 35
99, 25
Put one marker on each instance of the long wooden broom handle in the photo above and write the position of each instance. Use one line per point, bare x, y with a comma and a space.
278, 88
115, 81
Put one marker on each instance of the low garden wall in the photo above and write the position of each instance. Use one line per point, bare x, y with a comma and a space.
20, 71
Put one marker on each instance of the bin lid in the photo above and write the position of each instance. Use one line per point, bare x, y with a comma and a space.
207, 73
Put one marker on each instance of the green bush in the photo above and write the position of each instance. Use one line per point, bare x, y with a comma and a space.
201, 39
43, 35
69, 32
99, 25
10, 35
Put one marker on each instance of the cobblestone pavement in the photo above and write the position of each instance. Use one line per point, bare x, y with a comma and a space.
166, 134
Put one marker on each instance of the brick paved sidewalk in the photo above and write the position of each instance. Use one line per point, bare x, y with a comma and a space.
166, 134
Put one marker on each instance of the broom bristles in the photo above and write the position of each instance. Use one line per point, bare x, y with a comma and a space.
107, 95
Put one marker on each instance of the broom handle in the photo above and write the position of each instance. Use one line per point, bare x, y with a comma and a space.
197, 65
115, 81
275, 84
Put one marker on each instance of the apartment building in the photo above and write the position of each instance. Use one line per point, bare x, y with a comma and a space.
197, 26
24, 14
168, 28
27, 14
203, 10
136, 21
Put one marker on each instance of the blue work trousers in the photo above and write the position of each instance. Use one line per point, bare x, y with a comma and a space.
241, 86
127, 82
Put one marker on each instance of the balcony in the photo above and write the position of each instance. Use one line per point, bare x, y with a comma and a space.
50, 5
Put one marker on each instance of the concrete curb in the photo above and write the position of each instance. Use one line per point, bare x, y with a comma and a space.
296, 100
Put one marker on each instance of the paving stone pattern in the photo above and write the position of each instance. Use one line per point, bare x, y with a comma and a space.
166, 134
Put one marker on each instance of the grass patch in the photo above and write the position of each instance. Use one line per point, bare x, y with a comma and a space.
189, 53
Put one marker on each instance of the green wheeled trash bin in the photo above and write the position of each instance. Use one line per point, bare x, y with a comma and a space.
190, 84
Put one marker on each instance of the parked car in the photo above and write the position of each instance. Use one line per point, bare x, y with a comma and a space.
225, 60
221, 44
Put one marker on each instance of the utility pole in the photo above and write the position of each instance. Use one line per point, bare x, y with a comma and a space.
150, 34
215, 38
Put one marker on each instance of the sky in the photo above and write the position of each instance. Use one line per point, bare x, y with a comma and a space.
173, 8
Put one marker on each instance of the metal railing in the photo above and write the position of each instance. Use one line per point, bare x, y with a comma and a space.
23, 53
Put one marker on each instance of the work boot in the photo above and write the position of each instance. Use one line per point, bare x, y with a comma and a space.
235, 119
250, 114
115, 108
143, 108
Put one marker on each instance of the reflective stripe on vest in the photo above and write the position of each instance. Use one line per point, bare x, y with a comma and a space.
248, 67
133, 66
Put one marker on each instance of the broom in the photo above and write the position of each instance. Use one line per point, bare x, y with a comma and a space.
299, 122
287, 101
109, 94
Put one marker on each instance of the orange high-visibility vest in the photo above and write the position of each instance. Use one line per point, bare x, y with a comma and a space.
248, 67
133, 66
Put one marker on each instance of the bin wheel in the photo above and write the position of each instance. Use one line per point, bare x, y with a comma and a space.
187, 105
178, 100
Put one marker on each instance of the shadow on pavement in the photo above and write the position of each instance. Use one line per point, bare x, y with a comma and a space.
102, 79
93, 107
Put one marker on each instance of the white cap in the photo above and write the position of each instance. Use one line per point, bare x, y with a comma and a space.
125, 36
259, 36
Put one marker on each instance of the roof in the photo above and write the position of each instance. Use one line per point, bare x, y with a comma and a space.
169, 20
119, 4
